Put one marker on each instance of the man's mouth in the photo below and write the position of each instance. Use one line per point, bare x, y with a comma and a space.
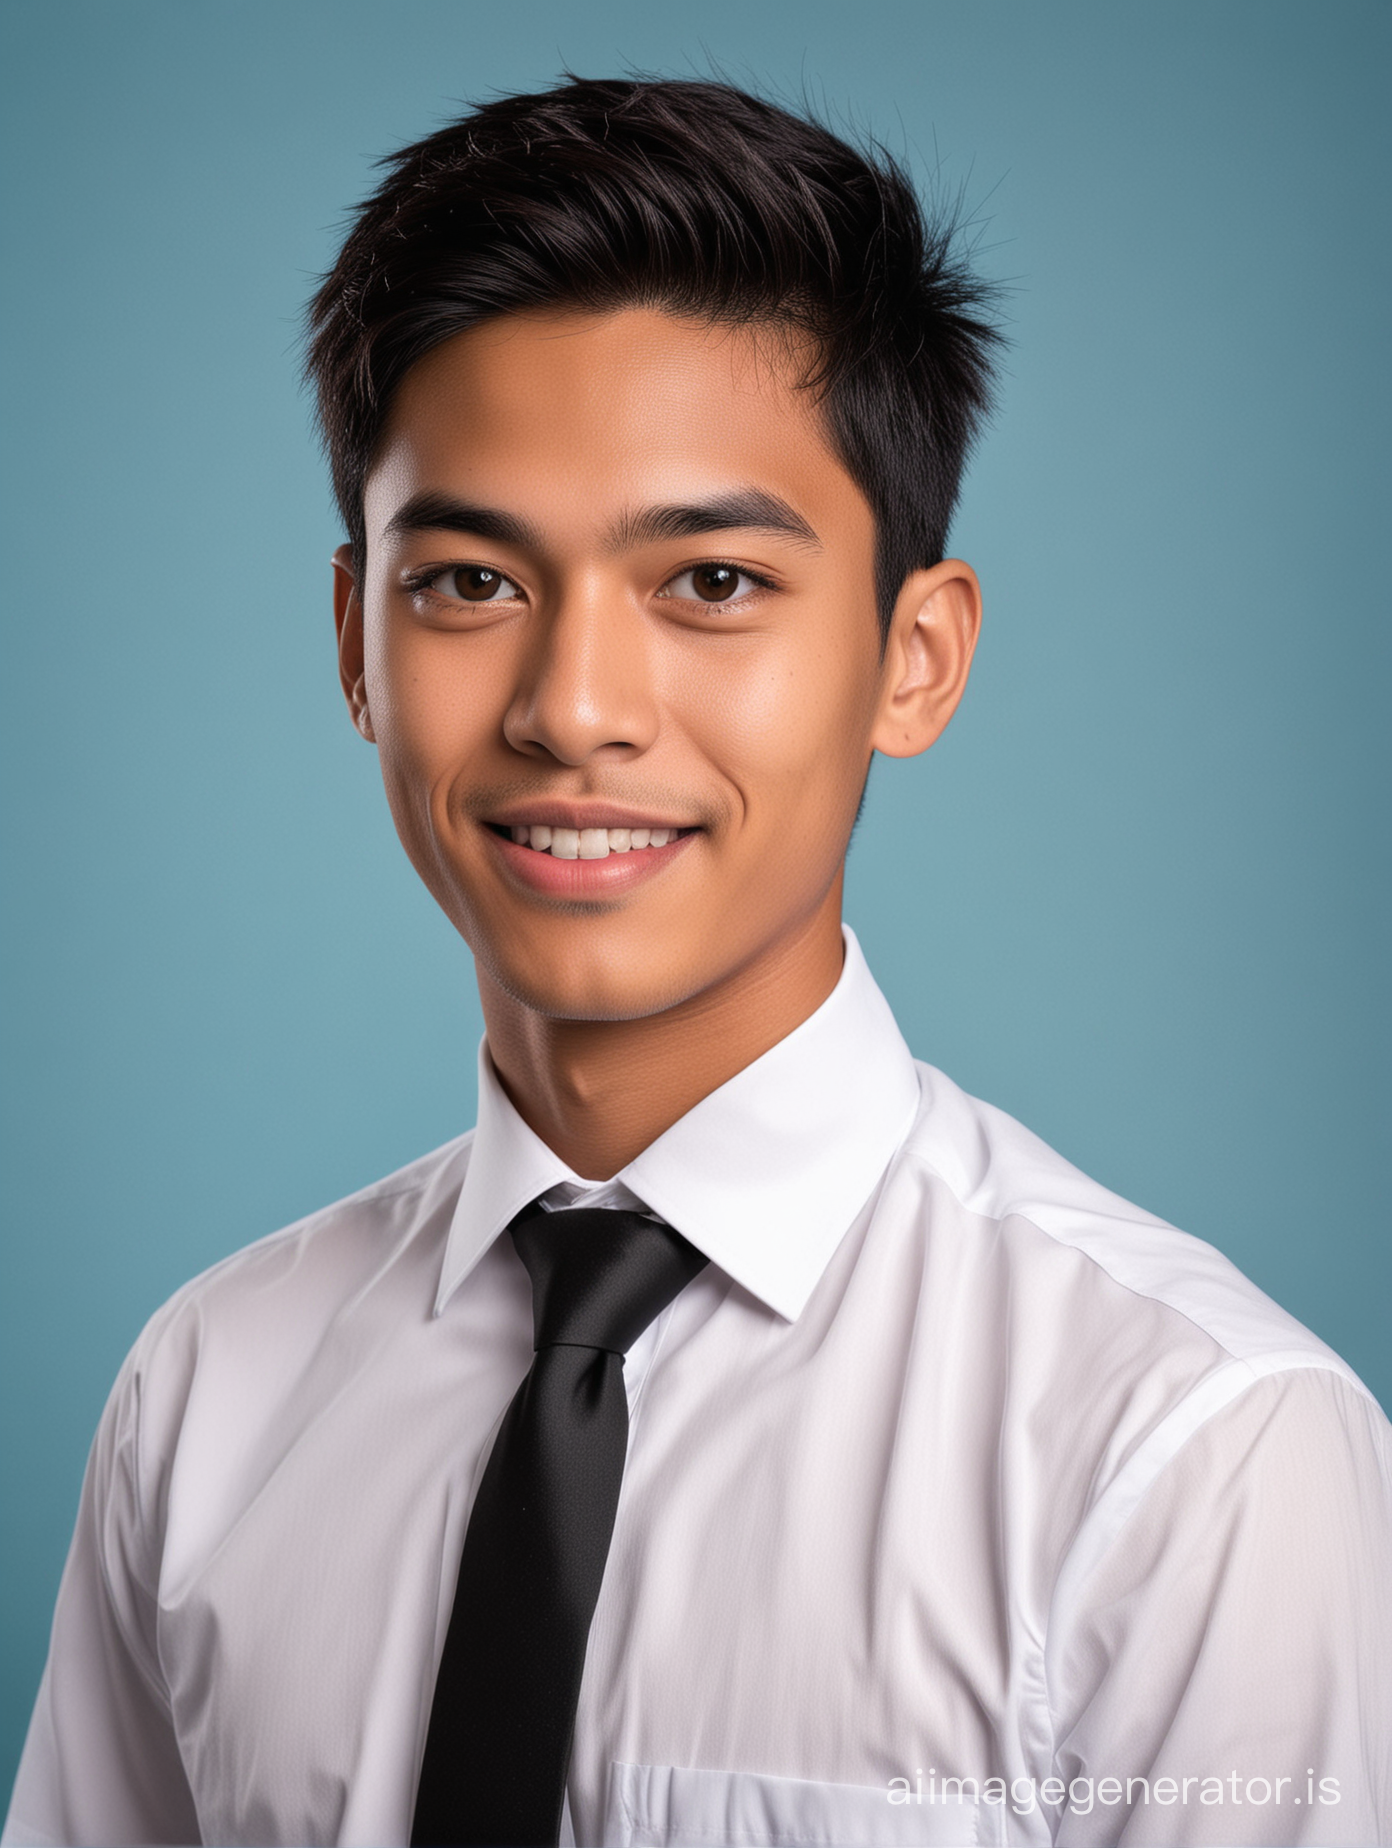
589, 843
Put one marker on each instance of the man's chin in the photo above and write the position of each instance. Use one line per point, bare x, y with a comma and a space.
596, 990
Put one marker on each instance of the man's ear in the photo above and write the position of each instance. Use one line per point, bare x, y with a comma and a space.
928, 654
348, 620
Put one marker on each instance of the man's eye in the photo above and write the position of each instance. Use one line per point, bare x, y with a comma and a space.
711, 584
474, 584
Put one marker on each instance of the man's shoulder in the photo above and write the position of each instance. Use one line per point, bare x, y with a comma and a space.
387, 1236
1108, 1264
1110, 1345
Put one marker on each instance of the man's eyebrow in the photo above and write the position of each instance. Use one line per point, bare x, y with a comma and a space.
431, 512
754, 509
750, 509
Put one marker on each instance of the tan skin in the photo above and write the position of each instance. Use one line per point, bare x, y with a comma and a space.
573, 663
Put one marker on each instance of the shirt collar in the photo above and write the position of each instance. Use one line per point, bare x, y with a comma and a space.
765, 1175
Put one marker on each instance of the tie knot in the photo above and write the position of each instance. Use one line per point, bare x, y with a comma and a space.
599, 1274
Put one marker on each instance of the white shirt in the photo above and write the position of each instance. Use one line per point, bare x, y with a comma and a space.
951, 1465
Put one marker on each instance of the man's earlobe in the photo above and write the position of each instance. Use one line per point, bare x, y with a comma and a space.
928, 655
349, 624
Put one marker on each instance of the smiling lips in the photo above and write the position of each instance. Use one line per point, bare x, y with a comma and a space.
591, 843
560, 861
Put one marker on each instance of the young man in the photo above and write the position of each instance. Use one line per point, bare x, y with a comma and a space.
876, 1477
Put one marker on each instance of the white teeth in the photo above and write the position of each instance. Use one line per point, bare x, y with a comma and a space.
589, 843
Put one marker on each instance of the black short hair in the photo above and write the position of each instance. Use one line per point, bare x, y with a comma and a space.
692, 196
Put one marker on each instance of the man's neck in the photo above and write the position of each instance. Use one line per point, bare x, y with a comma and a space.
598, 1092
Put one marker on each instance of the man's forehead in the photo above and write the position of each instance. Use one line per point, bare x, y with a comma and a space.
662, 426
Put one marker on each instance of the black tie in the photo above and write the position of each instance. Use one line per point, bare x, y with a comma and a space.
498, 1745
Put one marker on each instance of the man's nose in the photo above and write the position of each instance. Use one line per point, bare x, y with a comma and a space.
584, 685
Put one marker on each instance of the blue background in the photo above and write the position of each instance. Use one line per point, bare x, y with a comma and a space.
1138, 894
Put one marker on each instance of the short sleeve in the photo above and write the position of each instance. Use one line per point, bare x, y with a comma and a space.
101, 1763
1225, 1669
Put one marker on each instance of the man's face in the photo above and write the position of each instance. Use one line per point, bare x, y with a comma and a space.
617, 582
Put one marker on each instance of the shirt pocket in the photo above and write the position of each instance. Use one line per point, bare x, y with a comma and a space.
663, 1806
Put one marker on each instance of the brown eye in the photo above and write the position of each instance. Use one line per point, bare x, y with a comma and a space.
715, 583
469, 584
477, 583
